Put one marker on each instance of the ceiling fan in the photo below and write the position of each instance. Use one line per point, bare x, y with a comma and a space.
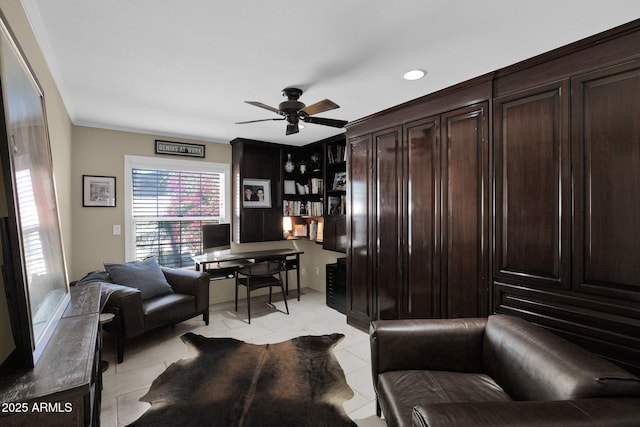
293, 111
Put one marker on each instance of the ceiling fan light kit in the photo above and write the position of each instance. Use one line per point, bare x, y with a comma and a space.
294, 111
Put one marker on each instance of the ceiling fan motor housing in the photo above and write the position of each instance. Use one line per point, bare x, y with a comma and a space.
291, 106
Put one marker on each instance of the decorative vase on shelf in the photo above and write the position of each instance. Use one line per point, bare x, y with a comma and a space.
288, 166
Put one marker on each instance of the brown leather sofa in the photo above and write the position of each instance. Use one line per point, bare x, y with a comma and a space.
134, 315
500, 371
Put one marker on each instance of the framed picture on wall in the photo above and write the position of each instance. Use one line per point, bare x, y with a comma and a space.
98, 191
256, 193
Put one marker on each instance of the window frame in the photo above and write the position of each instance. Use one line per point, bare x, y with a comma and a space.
143, 162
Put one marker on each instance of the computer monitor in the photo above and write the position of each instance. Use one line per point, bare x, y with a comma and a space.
216, 238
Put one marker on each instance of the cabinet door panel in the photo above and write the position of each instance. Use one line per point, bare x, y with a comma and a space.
464, 226
532, 186
256, 160
421, 179
388, 171
360, 286
606, 149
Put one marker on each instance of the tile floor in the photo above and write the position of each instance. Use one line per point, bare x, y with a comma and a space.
148, 357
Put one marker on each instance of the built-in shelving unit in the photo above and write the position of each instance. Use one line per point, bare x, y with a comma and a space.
303, 191
335, 171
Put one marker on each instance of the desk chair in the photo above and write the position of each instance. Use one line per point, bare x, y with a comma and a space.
257, 276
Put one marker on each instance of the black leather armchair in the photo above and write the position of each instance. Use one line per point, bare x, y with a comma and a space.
500, 371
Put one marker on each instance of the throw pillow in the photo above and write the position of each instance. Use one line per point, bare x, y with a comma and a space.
143, 275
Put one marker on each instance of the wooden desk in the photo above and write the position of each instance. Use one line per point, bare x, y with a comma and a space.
224, 266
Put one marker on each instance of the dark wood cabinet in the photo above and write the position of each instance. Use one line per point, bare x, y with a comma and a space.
303, 194
419, 204
532, 182
256, 160
387, 216
336, 292
567, 178
422, 244
464, 217
606, 158
335, 233
360, 231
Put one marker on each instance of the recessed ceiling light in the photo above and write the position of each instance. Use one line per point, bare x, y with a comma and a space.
414, 74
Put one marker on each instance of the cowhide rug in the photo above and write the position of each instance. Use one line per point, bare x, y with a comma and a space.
232, 383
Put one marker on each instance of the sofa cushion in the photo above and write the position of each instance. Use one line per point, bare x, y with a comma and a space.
400, 391
531, 363
167, 309
143, 275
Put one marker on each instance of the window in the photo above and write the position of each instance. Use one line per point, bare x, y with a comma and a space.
167, 203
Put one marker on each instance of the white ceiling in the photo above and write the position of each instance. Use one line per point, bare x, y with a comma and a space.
183, 68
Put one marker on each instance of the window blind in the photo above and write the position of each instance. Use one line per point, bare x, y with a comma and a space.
169, 209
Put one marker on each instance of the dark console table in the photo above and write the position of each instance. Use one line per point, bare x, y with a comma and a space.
64, 388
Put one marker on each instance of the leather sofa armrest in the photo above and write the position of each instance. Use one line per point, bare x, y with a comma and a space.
433, 344
128, 302
189, 282
558, 413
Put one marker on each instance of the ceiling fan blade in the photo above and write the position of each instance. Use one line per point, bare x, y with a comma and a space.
256, 121
326, 122
320, 107
292, 128
265, 106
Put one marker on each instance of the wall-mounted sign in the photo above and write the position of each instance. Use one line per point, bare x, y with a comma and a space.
179, 148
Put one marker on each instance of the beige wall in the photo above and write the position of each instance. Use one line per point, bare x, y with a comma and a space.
59, 134
102, 152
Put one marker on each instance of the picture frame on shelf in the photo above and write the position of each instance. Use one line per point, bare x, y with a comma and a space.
289, 186
256, 193
340, 181
335, 206
98, 191
299, 230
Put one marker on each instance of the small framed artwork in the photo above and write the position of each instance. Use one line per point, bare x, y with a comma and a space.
340, 181
300, 230
98, 191
289, 186
256, 193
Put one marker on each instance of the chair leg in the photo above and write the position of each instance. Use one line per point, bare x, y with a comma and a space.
205, 317
120, 347
284, 297
270, 294
286, 278
236, 294
248, 304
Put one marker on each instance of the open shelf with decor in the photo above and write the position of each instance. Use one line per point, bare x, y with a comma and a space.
303, 192
335, 171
